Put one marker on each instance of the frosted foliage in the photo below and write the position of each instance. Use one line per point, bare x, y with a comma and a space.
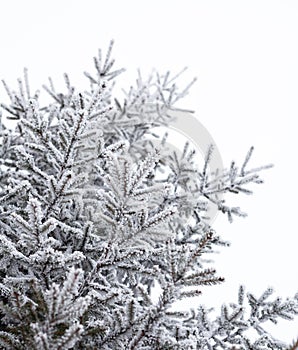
94, 217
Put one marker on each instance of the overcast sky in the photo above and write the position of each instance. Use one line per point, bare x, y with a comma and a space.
245, 56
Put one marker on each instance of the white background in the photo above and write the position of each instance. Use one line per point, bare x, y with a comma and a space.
245, 55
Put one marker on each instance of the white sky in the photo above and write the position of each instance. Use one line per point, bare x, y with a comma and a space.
245, 55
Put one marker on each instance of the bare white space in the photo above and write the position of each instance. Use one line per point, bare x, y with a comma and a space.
245, 56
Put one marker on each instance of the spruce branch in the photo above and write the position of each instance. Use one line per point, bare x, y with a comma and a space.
96, 221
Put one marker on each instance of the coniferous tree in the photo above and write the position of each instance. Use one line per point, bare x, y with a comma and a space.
89, 227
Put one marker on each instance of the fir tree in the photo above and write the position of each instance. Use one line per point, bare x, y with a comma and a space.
89, 228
